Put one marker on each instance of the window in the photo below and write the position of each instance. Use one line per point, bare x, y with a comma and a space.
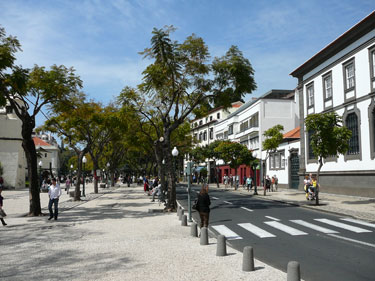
226, 135
254, 121
230, 130
218, 116
211, 133
205, 135
200, 122
310, 95
311, 152
327, 87
200, 136
372, 129
282, 160
45, 155
277, 161
349, 76
254, 142
352, 124
210, 118
244, 126
195, 136
372, 67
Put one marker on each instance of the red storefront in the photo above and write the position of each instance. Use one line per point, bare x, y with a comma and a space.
242, 171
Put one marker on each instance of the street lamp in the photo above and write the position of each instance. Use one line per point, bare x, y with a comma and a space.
71, 174
84, 160
40, 173
108, 165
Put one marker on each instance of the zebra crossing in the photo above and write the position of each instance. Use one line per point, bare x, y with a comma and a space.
289, 227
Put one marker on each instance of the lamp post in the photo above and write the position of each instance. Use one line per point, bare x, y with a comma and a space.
71, 174
84, 160
108, 165
40, 173
189, 171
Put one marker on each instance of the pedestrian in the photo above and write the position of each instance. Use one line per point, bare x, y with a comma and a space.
244, 181
268, 183
249, 182
2, 213
67, 185
54, 193
272, 183
203, 205
276, 182
225, 179
146, 186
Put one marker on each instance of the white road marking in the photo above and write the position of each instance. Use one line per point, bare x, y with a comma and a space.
215, 198
359, 222
285, 228
313, 226
229, 234
246, 209
256, 230
228, 202
272, 218
353, 240
344, 226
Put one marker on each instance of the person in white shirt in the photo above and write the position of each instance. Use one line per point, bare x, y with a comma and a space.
54, 192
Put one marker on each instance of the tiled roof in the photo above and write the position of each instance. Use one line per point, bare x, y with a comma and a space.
293, 134
40, 142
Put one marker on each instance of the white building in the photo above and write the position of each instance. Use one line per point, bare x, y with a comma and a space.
251, 120
202, 129
48, 154
284, 162
12, 156
341, 78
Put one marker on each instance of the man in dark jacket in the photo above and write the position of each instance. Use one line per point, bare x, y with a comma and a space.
203, 205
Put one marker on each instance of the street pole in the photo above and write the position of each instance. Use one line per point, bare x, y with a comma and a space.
189, 189
83, 194
84, 160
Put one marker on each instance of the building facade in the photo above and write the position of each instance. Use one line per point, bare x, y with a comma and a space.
248, 124
12, 156
341, 78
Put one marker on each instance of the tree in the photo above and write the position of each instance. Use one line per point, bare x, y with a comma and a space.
273, 138
179, 79
328, 136
234, 154
207, 152
28, 92
75, 120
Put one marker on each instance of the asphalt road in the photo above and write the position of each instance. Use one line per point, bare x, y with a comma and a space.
327, 246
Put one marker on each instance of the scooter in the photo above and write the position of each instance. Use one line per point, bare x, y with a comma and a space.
312, 194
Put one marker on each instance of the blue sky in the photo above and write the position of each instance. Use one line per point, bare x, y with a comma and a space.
101, 39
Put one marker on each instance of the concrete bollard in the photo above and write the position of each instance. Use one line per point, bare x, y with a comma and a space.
221, 249
248, 259
293, 271
193, 229
178, 210
184, 220
181, 214
204, 236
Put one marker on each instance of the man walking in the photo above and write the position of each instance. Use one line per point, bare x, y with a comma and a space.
54, 192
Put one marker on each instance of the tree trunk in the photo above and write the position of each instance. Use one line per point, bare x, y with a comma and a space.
172, 203
32, 168
77, 191
216, 174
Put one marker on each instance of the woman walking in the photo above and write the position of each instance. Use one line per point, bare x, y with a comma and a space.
203, 205
2, 213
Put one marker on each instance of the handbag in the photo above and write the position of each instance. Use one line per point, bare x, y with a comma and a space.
195, 205
2, 213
